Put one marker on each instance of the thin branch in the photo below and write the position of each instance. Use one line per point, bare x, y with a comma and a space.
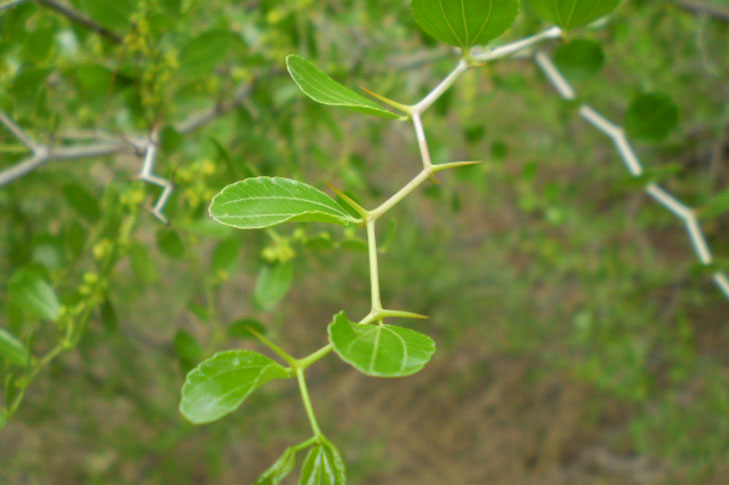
197, 120
81, 19
683, 212
11, 4
43, 157
514, 47
18, 132
715, 11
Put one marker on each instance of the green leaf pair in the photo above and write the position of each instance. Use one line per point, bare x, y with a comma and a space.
219, 385
323, 465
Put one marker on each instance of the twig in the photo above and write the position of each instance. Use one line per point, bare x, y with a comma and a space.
43, 155
197, 120
81, 19
715, 11
686, 214
11, 4
63, 153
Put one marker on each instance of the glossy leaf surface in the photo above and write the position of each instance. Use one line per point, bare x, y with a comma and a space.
261, 202
220, 384
380, 350
465, 23
317, 85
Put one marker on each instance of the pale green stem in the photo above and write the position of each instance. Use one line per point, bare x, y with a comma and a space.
305, 444
307, 402
441, 88
314, 357
374, 273
422, 142
400, 195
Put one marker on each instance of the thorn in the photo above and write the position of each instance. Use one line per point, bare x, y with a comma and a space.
402, 107
446, 166
364, 213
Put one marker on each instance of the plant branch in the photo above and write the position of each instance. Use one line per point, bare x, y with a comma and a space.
43, 155
81, 19
441, 88
715, 11
314, 357
18, 132
11, 4
197, 120
399, 195
374, 272
516, 46
307, 402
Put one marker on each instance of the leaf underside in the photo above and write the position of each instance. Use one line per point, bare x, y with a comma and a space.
317, 85
220, 384
465, 23
380, 350
260, 202
569, 14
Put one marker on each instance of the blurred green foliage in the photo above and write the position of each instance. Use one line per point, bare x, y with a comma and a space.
546, 254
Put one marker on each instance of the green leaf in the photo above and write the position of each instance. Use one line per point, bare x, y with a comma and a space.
279, 470
108, 315
225, 256
186, 347
141, 263
651, 116
273, 283
580, 59
170, 243
260, 202
115, 15
569, 14
82, 201
323, 466
718, 205
200, 311
207, 228
323, 89
242, 328
74, 238
380, 350
13, 349
219, 385
465, 23
31, 292
204, 52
